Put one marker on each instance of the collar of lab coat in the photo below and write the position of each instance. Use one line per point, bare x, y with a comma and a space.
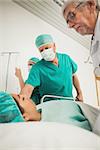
97, 29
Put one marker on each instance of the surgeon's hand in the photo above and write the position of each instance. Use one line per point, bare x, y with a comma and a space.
79, 97
18, 72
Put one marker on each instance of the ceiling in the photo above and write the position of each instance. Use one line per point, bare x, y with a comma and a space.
50, 11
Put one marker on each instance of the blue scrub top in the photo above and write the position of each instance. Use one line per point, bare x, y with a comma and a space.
36, 96
52, 79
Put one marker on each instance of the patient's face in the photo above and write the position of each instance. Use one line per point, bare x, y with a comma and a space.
26, 105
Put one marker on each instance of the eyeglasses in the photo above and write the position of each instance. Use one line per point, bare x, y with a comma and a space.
72, 15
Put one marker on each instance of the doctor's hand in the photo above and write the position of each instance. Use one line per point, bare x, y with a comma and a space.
18, 72
79, 97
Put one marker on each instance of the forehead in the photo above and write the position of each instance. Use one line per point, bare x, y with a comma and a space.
30, 62
70, 7
46, 46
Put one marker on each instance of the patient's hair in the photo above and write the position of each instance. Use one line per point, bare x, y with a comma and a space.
20, 108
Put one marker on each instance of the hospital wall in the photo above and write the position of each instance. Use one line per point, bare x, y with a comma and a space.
18, 30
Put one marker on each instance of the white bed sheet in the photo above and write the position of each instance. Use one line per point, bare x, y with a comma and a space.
46, 136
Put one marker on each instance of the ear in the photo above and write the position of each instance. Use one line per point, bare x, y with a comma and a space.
54, 47
91, 4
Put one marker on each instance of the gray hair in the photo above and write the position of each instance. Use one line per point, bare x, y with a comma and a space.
76, 2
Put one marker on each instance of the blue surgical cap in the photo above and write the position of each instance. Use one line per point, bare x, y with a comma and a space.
9, 111
34, 59
43, 39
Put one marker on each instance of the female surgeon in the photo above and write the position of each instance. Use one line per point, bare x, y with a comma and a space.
35, 95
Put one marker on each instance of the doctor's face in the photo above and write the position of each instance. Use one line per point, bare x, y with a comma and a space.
48, 52
46, 47
30, 64
81, 18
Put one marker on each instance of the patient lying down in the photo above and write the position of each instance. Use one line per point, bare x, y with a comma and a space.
17, 108
27, 108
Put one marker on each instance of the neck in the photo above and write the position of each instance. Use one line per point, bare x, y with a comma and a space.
55, 61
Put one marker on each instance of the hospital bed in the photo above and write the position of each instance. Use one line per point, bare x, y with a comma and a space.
47, 135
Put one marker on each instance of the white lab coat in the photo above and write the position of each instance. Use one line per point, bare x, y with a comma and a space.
95, 47
95, 54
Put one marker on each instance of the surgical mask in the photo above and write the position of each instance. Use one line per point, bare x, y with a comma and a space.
48, 54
